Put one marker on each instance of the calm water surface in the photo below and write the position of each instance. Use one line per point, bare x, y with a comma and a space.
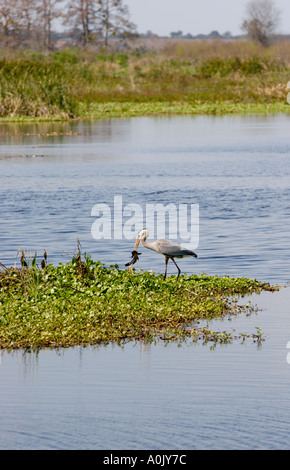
238, 170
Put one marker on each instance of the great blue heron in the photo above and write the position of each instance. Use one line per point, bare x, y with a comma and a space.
164, 247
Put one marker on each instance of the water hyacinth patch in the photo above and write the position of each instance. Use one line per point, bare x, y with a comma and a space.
84, 302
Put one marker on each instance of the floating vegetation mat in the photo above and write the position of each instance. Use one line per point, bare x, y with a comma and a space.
85, 303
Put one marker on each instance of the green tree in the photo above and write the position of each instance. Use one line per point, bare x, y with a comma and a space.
176, 34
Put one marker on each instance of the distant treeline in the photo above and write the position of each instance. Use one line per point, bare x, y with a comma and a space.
212, 35
30, 23
179, 34
49, 24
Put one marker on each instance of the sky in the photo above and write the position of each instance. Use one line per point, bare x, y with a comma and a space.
196, 16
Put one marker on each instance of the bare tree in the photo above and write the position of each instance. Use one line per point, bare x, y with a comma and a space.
114, 19
83, 16
47, 12
27, 17
262, 20
24, 21
9, 17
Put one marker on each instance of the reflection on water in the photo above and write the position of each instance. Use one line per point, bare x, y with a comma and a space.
153, 397
237, 170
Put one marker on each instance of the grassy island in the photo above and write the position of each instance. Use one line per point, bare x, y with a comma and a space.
85, 303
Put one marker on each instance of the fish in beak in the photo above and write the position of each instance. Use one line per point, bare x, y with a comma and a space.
135, 257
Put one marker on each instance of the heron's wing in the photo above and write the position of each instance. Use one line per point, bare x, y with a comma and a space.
169, 248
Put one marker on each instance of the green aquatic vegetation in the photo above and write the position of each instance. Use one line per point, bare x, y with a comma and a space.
36, 88
76, 84
84, 302
129, 109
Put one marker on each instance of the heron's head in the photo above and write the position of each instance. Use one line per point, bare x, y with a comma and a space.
142, 235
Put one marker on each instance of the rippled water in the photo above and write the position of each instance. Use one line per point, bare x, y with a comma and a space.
154, 397
238, 170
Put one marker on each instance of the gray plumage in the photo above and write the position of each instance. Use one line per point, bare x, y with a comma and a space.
164, 247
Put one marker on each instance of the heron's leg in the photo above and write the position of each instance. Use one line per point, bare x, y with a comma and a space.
177, 268
166, 263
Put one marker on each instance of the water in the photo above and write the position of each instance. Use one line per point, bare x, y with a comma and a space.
237, 170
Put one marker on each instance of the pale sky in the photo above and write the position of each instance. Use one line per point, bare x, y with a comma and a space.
195, 16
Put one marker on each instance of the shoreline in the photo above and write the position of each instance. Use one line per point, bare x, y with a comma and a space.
127, 109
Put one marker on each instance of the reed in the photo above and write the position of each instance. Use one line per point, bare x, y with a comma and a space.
191, 75
37, 88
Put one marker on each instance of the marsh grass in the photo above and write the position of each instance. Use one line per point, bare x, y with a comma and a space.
35, 88
180, 77
85, 303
